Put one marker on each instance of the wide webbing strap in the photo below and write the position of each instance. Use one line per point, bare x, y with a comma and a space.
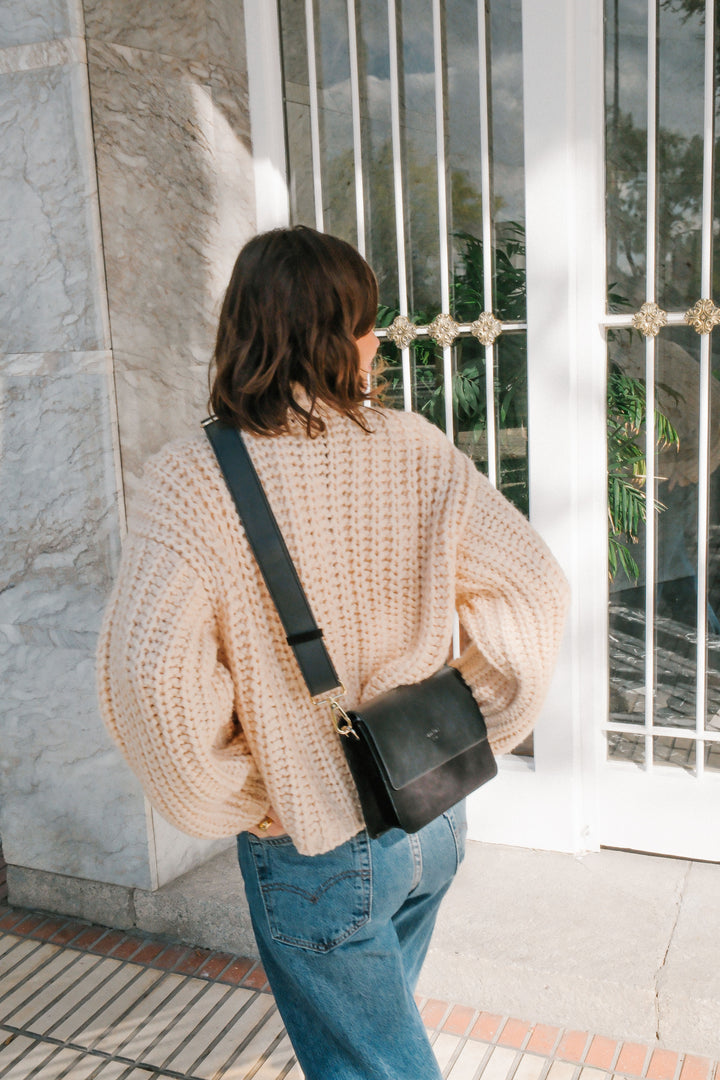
272, 556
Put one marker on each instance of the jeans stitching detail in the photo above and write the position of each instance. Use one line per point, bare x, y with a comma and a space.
449, 816
416, 849
313, 897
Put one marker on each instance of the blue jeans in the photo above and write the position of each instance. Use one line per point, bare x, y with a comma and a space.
342, 937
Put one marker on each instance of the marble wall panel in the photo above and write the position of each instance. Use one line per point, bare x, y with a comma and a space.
157, 402
172, 145
69, 805
177, 203
174, 27
209, 31
226, 33
52, 289
153, 124
66, 792
176, 852
233, 177
23, 22
60, 539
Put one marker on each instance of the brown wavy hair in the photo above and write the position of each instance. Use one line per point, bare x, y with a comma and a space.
296, 302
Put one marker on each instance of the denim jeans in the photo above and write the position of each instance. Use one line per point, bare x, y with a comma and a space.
342, 937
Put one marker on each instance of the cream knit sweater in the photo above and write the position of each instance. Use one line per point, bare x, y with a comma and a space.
389, 532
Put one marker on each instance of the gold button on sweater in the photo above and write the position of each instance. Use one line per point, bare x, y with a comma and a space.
390, 532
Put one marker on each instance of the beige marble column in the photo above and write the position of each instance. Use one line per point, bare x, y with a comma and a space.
168, 86
126, 193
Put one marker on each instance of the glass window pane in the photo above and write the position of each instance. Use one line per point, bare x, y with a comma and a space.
681, 69
297, 113
337, 155
677, 388
667, 750
418, 130
712, 756
512, 413
626, 506
464, 179
626, 151
377, 152
507, 159
623, 747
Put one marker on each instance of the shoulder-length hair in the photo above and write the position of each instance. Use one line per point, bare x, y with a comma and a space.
296, 302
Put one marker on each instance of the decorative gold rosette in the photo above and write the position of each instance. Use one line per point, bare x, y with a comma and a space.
703, 316
443, 329
402, 332
486, 328
650, 319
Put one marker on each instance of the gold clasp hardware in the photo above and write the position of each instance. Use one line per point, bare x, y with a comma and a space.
341, 720
329, 695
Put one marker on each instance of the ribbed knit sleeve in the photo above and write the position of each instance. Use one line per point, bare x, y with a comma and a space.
167, 698
511, 598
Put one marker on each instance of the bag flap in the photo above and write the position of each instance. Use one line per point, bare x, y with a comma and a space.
412, 730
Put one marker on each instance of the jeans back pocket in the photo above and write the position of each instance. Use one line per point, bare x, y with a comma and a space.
313, 901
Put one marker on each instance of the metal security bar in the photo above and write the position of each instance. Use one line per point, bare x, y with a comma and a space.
704, 426
443, 239
399, 194
444, 330
357, 133
314, 112
650, 289
486, 192
650, 321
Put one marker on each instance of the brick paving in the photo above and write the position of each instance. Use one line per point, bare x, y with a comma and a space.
157, 1014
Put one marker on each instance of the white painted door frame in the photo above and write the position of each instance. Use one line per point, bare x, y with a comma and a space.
551, 802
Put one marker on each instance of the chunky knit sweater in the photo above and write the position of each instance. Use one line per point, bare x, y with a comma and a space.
390, 532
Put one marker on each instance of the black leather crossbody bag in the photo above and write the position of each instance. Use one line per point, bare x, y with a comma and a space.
413, 751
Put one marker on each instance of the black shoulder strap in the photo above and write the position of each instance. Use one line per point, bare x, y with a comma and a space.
272, 556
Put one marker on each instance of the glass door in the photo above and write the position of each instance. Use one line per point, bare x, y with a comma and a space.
533, 186
662, 780
404, 129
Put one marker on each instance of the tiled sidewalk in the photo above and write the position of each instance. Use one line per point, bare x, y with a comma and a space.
79, 1002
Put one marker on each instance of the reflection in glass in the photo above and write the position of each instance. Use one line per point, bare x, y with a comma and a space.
681, 64
510, 411
297, 113
462, 128
507, 161
626, 151
679, 166
626, 506
417, 96
667, 750
426, 376
469, 401
418, 165
337, 160
678, 401
416, 101
376, 135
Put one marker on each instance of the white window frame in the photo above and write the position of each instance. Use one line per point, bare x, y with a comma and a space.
567, 797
